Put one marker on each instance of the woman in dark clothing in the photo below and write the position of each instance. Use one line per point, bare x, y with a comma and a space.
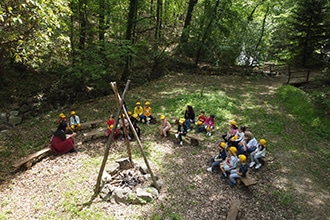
60, 143
189, 117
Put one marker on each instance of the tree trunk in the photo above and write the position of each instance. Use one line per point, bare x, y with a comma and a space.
101, 20
184, 35
206, 32
82, 24
129, 33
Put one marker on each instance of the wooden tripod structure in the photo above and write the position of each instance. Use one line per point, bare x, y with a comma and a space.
122, 109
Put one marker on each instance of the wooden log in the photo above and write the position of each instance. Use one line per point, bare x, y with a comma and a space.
233, 211
31, 157
91, 124
247, 181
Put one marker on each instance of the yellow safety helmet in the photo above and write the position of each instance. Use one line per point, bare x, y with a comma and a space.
242, 158
147, 103
181, 120
111, 126
234, 138
199, 122
233, 151
162, 117
263, 142
129, 113
61, 115
135, 115
138, 103
232, 122
73, 113
223, 145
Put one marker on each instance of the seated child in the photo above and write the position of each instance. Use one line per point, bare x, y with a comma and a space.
189, 117
230, 162
164, 126
209, 124
258, 153
239, 172
134, 119
236, 139
147, 112
139, 110
231, 131
116, 132
74, 121
61, 117
248, 145
124, 126
182, 130
216, 160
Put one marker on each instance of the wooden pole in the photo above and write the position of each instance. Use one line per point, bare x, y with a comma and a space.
107, 149
141, 148
115, 90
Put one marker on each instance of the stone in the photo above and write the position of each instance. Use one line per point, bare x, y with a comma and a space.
144, 194
112, 169
14, 120
106, 177
122, 195
14, 113
3, 117
124, 163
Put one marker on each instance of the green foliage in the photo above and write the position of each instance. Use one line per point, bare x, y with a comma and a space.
31, 31
284, 198
300, 106
308, 32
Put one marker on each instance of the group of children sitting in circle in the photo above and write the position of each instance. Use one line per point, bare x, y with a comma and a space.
236, 146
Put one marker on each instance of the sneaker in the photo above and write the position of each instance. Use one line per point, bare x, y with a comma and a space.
181, 143
223, 176
176, 135
210, 169
231, 184
252, 164
188, 130
258, 165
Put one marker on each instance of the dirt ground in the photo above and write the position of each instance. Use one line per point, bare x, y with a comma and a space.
189, 191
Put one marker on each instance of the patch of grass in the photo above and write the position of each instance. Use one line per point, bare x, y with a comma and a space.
169, 214
300, 106
284, 198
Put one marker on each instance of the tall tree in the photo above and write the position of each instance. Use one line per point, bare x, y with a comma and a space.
308, 30
131, 19
185, 31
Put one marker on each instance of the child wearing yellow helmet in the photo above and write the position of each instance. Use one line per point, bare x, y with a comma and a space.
232, 131
239, 172
182, 130
230, 163
74, 121
164, 126
138, 109
135, 120
258, 153
147, 112
216, 160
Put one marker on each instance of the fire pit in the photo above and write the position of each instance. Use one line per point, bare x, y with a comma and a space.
128, 184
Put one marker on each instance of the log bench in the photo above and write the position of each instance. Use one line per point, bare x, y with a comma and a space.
101, 132
247, 181
234, 209
194, 139
32, 158
91, 124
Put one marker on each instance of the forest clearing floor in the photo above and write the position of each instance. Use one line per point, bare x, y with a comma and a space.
60, 187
